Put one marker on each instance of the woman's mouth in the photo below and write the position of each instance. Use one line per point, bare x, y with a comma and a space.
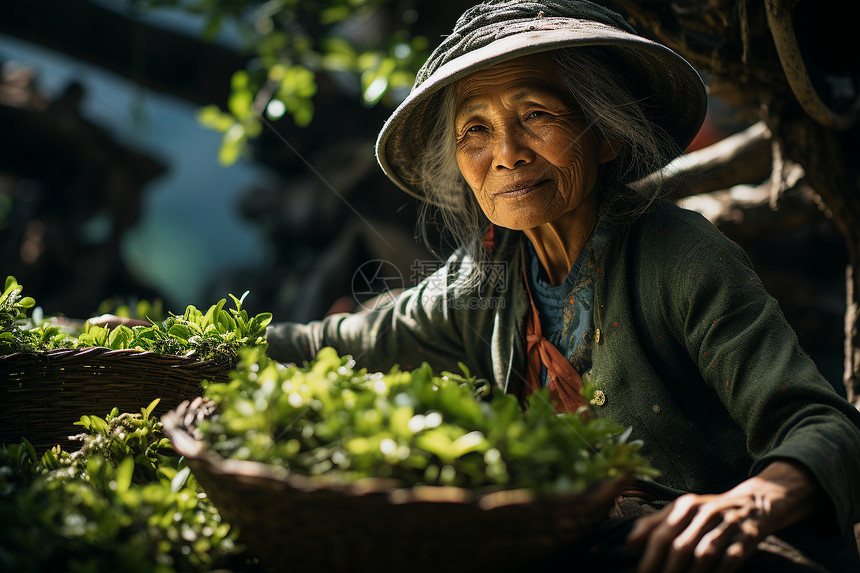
519, 189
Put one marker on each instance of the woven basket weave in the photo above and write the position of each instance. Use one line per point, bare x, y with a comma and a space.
44, 394
300, 523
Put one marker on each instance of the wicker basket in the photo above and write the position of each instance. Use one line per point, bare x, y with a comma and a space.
300, 523
44, 394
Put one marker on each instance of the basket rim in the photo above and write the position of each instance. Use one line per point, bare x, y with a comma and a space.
104, 352
489, 498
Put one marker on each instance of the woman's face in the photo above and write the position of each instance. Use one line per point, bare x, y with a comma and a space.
524, 149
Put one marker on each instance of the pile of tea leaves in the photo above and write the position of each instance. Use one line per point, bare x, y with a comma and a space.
217, 333
328, 417
123, 501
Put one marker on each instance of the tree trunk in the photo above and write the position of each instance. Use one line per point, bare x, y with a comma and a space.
734, 42
822, 152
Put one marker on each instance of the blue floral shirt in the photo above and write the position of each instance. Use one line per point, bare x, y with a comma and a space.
566, 310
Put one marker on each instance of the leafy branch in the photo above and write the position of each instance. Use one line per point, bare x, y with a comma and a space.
290, 43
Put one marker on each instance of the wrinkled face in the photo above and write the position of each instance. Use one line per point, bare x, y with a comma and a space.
525, 150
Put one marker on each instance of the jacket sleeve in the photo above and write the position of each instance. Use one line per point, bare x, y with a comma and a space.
750, 356
414, 327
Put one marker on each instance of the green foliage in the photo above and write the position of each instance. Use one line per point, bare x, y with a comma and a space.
140, 309
120, 436
122, 502
327, 417
216, 334
19, 332
291, 42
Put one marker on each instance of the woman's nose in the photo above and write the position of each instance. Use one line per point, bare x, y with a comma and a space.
511, 150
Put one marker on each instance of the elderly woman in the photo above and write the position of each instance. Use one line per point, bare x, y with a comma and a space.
522, 131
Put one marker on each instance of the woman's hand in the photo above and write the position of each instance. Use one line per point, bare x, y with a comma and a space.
699, 533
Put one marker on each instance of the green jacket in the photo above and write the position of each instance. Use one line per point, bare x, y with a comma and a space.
690, 351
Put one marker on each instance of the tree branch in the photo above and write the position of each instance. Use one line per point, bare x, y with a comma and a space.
780, 22
743, 213
744, 157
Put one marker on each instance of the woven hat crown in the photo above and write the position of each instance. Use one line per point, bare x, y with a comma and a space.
495, 19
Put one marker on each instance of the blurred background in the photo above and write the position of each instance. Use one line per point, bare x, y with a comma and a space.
185, 149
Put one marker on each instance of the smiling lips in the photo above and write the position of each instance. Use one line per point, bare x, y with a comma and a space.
519, 189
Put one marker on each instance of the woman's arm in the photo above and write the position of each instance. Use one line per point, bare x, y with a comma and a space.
409, 330
436, 321
804, 438
719, 532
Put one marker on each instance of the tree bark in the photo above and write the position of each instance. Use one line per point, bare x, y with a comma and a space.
732, 42
744, 213
744, 157
822, 152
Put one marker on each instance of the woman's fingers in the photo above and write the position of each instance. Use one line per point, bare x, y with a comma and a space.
727, 544
741, 550
669, 523
718, 533
643, 526
698, 534
672, 515
707, 521
711, 548
735, 556
714, 549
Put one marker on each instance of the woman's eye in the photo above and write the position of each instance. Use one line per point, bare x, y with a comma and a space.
534, 114
475, 128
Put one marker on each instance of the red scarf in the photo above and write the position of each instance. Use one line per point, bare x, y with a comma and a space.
563, 381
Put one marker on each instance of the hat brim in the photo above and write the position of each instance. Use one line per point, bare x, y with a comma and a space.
670, 89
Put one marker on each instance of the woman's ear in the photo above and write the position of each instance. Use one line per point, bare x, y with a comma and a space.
609, 150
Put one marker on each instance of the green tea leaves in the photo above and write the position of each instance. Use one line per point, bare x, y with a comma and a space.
216, 334
146, 412
119, 503
124, 472
15, 326
120, 337
328, 417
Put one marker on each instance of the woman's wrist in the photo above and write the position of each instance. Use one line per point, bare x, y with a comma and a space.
786, 491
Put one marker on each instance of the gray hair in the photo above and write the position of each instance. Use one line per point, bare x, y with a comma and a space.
600, 87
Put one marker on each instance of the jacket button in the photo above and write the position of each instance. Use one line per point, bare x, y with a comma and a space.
599, 398
598, 336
